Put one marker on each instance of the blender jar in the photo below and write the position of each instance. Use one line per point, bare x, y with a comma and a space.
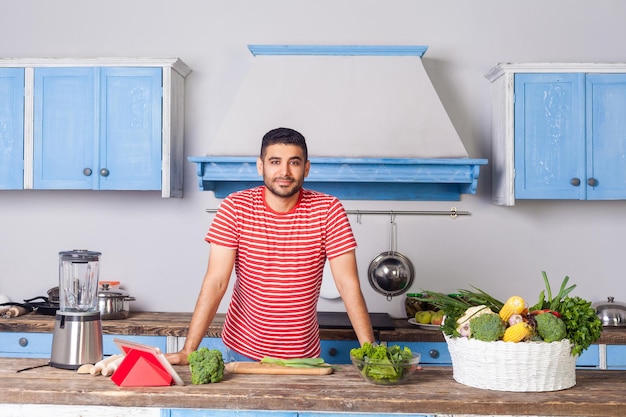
78, 280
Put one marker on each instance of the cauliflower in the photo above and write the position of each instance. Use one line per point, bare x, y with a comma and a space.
550, 327
463, 321
206, 365
487, 327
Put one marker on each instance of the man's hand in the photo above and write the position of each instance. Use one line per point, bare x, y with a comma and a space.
178, 358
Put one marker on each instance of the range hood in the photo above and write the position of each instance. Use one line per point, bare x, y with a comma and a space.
375, 127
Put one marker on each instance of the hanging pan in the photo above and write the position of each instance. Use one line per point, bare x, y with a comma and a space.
391, 273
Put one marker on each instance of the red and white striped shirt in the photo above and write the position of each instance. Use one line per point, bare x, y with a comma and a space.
279, 266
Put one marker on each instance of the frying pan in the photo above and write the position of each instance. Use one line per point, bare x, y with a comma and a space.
391, 273
44, 306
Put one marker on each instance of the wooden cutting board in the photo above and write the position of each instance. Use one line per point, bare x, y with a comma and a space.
273, 369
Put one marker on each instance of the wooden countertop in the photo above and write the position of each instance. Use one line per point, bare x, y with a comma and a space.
176, 324
431, 391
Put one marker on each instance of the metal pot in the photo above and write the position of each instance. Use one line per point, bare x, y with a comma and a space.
114, 304
391, 273
611, 313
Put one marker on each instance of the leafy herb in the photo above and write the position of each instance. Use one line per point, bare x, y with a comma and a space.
582, 323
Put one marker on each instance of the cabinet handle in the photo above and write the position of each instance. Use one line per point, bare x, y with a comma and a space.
87, 172
332, 352
23, 342
104, 172
575, 182
434, 353
592, 182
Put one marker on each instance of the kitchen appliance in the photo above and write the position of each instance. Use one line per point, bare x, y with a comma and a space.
77, 334
340, 320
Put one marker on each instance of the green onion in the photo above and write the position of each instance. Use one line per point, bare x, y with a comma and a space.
297, 362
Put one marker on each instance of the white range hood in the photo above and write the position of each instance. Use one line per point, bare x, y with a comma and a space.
370, 114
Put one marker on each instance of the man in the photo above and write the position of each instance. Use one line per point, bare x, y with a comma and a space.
277, 237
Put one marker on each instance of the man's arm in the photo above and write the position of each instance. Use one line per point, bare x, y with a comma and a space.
214, 286
346, 277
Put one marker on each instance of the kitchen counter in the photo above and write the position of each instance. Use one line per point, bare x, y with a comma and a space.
431, 391
176, 324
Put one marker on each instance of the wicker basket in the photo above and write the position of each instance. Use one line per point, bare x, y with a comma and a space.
507, 366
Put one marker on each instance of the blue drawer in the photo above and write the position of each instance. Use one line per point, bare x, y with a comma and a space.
214, 343
180, 412
615, 357
333, 351
26, 345
590, 358
432, 353
338, 351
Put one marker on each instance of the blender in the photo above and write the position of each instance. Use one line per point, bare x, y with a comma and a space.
77, 334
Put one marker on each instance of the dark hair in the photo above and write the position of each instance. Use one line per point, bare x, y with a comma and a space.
285, 136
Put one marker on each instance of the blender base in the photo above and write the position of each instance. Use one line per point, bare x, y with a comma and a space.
76, 339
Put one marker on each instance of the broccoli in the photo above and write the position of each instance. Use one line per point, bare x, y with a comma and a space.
379, 357
550, 327
487, 327
206, 365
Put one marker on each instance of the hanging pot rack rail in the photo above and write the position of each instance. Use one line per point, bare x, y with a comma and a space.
453, 213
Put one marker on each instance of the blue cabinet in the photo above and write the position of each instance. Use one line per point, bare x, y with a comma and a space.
333, 351
11, 128
570, 136
39, 345
25, 345
338, 351
213, 343
97, 128
549, 135
615, 357
558, 131
605, 136
192, 412
590, 358
431, 353
92, 124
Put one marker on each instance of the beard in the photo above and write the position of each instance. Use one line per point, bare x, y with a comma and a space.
281, 190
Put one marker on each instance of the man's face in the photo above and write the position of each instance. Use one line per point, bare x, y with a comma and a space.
283, 169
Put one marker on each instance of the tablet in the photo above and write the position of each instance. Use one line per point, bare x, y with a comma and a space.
126, 345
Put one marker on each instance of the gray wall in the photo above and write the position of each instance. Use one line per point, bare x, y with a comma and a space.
155, 246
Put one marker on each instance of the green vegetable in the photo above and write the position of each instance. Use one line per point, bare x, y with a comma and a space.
582, 324
550, 327
206, 365
552, 303
297, 362
487, 327
455, 306
383, 363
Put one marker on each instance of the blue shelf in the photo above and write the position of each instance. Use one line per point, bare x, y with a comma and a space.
439, 179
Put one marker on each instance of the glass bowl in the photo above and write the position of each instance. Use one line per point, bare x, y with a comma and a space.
385, 373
